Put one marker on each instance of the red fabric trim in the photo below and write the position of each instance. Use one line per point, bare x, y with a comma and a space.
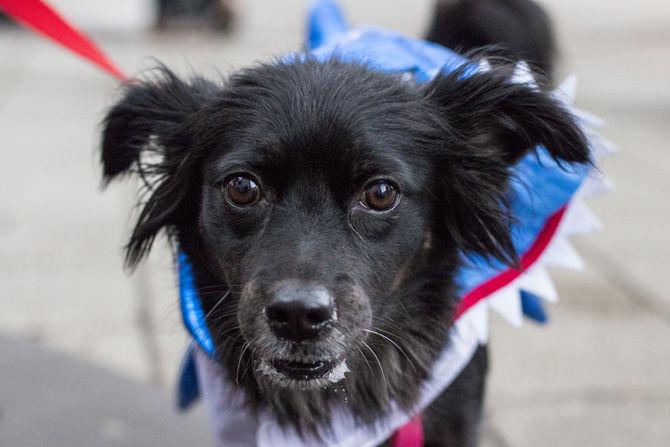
409, 435
504, 278
38, 16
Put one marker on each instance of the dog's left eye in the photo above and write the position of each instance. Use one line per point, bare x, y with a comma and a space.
379, 196
242, 190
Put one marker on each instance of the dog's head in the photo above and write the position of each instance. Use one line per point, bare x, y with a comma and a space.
324, 206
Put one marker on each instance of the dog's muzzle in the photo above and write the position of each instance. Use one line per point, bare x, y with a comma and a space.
301, 315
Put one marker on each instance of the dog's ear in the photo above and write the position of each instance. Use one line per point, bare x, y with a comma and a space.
487, 124
149, 132
154, 108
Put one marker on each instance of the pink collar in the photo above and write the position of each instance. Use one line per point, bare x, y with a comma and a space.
409, 435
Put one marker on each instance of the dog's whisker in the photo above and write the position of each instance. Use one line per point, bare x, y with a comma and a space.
381, 369
246, 365
222, 324
391, 322
222, 334
394, 344
224, 314
424, 317
406, 343
222, 288
366, 359
225, 295
237, 372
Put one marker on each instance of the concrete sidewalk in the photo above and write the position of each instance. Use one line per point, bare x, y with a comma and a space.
599, 375
50, 399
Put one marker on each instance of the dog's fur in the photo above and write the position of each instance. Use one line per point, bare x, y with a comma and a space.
519, 29
312, 135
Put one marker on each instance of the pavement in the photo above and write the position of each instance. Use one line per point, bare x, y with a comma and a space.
56, 400
89, 353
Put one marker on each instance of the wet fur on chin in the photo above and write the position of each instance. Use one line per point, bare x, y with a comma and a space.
452, 142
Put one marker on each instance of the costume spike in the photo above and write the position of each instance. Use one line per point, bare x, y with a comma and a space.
561, 253
567, 90
479, 315
588, 118
537, 281
579, 219
595, 184
506, 302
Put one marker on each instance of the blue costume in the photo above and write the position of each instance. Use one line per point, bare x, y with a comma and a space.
545, 202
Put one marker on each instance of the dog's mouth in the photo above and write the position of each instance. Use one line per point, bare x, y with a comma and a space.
304, 371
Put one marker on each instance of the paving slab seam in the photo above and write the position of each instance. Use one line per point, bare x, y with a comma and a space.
634, 290
612, 397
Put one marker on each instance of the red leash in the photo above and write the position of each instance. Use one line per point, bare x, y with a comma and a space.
38, 16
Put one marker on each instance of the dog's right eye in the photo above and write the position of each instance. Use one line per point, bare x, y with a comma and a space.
379, 196
241, 190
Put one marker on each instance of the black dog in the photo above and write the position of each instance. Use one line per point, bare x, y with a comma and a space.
329, 202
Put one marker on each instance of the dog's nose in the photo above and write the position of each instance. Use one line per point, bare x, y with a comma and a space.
299, 311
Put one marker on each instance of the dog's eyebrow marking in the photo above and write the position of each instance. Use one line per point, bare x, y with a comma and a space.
240, 160
386, 166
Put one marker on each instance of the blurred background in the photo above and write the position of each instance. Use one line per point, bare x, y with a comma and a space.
89, 354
